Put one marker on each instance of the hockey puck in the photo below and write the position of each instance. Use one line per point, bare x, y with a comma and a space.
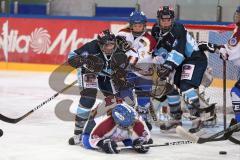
222, 152
1, 133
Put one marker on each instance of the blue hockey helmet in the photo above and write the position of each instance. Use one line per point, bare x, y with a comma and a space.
123, 115
137, 17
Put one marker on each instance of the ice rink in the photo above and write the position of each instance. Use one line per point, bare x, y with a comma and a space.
42, 136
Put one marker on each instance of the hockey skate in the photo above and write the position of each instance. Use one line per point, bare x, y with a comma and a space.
75, 140
172, 123
197, 125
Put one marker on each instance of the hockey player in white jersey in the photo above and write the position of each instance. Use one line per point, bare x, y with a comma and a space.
140, 55
231, 51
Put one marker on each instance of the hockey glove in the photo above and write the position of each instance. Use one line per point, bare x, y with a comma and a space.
204, 46
76, 61
164, 71
223, 53
123, 44
138, 145
94, 63
108, 146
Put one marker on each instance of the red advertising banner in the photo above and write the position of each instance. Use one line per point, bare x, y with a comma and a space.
46, 41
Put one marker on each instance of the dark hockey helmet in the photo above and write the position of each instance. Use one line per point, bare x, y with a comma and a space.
124, 116
237, 16
107, 41
165, 12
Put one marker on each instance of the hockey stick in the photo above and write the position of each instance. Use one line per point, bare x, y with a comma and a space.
234, 140
16, 120
196, 139
156, 145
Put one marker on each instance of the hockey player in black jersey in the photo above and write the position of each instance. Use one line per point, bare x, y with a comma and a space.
92, 60
182, 56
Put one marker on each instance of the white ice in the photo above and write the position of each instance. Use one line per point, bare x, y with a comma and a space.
42, 136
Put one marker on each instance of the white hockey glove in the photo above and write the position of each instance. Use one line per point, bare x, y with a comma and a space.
223, 53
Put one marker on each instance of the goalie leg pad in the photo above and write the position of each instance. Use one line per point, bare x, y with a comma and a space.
235, 96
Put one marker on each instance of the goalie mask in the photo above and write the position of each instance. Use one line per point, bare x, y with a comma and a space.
124, 116
107, 42
137, 21
165, 16
237, 16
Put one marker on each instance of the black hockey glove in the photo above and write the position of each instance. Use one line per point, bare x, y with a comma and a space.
204, 46
94, 63
138, 145
108, 146
123, 44
76, 61
164, 71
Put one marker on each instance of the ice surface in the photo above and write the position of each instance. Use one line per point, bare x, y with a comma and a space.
42, 136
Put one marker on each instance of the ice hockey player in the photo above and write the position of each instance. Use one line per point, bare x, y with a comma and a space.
183, 57
230, 51
89, 68
140, 55
124, 125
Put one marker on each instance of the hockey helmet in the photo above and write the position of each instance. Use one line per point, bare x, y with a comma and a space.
237, 16
137, 17
165, 12
123, 115
105, 39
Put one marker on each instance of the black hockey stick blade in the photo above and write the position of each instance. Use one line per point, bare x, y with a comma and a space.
196, 139
234, 140
12, 120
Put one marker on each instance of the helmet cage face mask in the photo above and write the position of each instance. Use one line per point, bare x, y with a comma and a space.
164, 13
107, 42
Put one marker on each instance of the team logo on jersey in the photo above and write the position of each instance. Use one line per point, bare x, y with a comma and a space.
232, 41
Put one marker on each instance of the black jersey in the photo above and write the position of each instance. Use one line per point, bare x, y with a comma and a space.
176, 42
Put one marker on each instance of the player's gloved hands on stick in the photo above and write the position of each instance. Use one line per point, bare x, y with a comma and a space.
138, 145
223, 53
108, 146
